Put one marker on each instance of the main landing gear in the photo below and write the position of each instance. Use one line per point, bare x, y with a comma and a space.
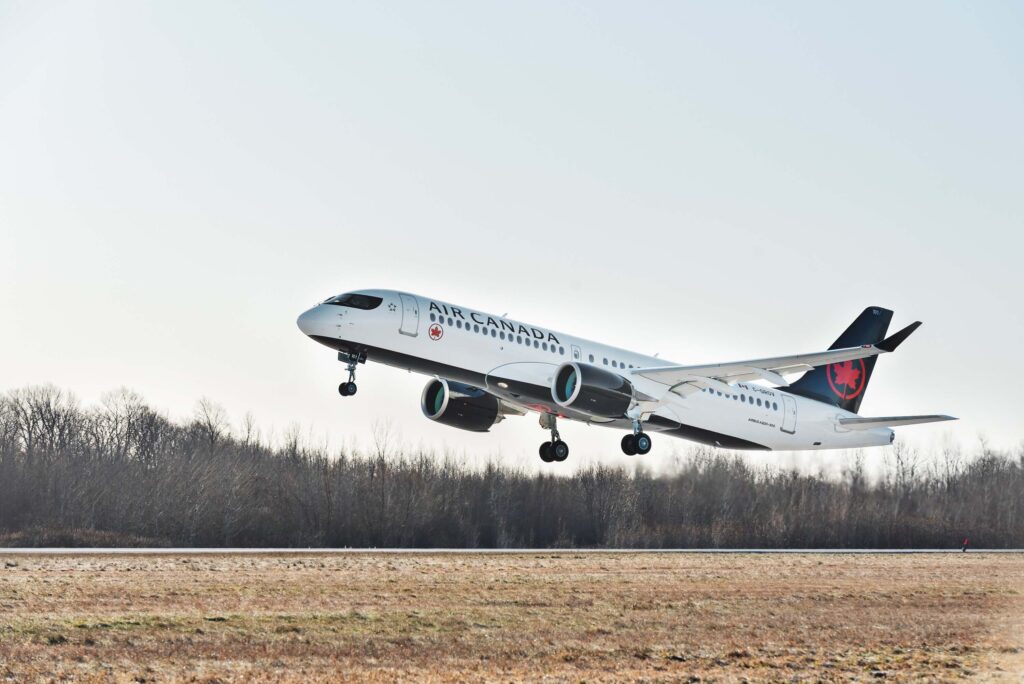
347, 389
556, 450
636, 443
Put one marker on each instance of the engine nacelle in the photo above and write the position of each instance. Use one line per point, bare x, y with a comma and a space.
592, 390
460, 406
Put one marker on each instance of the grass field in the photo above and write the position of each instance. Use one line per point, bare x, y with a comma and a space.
561, 615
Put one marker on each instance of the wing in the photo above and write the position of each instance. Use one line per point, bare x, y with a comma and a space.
889, 421
684, 380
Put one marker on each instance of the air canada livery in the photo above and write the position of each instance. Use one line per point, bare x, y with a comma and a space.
486, 367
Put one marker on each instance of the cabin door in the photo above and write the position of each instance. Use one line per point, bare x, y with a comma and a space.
410, 315
789, 414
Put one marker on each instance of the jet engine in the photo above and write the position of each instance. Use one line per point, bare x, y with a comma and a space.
592, 390
460, 406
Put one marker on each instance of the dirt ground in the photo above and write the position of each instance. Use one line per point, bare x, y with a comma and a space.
560, 616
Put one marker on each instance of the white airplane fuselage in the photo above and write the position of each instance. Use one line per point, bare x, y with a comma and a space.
517, 363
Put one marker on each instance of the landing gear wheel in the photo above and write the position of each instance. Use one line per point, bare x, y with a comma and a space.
545, 452
643, 443
559, 450
347, 389
556, 449
629, 445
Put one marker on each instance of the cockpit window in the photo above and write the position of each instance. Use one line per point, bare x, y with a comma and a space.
356, 301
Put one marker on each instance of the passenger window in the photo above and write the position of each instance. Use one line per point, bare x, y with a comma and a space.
614, 365
536, 344
561, 350
432, 317
591, 358
775, 407
476, 328
759, 401
519, 339
494, 333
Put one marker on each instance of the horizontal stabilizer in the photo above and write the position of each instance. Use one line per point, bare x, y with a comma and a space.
889, 421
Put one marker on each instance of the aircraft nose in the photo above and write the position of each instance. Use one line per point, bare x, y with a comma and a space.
307, 321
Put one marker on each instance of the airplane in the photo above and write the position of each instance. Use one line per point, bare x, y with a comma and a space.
485, 368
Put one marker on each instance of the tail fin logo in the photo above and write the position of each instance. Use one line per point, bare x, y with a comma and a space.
848, 375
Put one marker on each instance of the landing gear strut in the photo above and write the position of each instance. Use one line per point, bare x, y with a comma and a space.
555, 450
347, 389
636, 443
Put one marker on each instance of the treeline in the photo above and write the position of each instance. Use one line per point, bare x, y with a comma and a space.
122, 473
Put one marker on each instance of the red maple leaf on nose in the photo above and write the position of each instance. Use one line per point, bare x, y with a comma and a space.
846, 374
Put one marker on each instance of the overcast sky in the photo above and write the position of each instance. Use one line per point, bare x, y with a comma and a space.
712, 181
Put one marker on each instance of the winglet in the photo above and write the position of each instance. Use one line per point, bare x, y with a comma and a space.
896, 339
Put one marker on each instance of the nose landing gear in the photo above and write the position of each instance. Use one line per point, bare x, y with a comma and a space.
556, 450
347, 389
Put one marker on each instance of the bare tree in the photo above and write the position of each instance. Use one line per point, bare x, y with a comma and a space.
211, 421
124, 471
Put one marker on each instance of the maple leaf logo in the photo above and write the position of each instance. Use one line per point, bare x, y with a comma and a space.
846, 378
846, 375
435, 332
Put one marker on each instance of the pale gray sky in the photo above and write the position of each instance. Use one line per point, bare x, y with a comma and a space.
710, 181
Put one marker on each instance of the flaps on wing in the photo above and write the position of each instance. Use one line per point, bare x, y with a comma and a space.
508, 408
889, 421
687, 379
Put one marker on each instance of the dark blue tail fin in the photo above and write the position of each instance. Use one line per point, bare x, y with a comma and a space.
843, 384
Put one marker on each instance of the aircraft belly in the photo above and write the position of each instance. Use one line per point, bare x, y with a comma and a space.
714, 420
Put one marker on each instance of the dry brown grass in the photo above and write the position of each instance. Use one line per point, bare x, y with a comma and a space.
560, 615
